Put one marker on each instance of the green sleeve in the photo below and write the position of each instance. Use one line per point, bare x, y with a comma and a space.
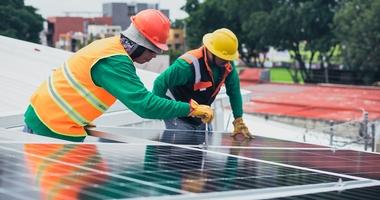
179, 73
118, 76
233, 91
33, 121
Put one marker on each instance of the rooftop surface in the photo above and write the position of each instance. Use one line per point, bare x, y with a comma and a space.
322, 102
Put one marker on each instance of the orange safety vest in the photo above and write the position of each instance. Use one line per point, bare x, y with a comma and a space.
193, 57
69, 99
204, 81
204, 88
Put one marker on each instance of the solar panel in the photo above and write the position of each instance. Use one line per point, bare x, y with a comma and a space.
353, 194
182, 137
348, 162
162, 164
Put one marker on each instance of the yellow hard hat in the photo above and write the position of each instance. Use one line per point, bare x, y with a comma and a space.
222, 43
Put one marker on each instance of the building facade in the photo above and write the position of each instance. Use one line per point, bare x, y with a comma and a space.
121, 12
176, 39
58, 26
71, 33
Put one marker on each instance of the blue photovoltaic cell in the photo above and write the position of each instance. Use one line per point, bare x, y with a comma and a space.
136, 169
88, 171
198, 137
347, 162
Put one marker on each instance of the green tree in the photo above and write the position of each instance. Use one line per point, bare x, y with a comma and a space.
303, 26
203, 18
298, 26
248, 19
20, 21
210, 15
358, 29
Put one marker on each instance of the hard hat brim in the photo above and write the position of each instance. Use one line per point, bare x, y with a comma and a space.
207, 42
133, 34
163, 47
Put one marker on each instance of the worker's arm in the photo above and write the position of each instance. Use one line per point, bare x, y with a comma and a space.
118, 76
179, 73
233, 91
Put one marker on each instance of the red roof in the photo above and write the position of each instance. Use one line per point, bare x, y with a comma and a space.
325, 102
250, 75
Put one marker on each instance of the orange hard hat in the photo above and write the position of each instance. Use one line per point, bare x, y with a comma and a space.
154, 25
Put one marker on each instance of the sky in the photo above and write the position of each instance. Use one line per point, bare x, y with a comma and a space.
49, 8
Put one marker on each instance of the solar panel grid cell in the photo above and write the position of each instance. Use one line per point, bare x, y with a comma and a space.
180, 169
340, 161
228, 168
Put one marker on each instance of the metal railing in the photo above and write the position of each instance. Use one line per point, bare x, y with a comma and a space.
360, 132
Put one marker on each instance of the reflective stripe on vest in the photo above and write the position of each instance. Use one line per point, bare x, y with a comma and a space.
98, 104
170, 95
69, 110
70, 99
197, 75
197, 69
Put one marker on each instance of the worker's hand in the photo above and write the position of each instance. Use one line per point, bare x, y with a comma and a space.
201, 111
241, 128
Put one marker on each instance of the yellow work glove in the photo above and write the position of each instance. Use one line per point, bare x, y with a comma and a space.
241, 128
201, 111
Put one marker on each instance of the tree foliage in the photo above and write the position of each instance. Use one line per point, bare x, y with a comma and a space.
213, 14
313, 31
305, 26
283, 24
358, 29
20, 21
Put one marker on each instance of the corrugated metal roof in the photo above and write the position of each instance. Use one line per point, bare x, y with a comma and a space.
23, 67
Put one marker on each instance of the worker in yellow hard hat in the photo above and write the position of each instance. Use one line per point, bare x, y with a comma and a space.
90, 81
199, 74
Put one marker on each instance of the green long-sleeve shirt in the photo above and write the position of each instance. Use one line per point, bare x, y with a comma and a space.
181, 73
118, 76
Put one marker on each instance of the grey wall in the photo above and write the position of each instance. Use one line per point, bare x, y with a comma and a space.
121, 12
118, 12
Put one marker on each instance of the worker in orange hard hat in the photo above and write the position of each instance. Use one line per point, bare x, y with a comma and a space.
199, 74
91, 80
